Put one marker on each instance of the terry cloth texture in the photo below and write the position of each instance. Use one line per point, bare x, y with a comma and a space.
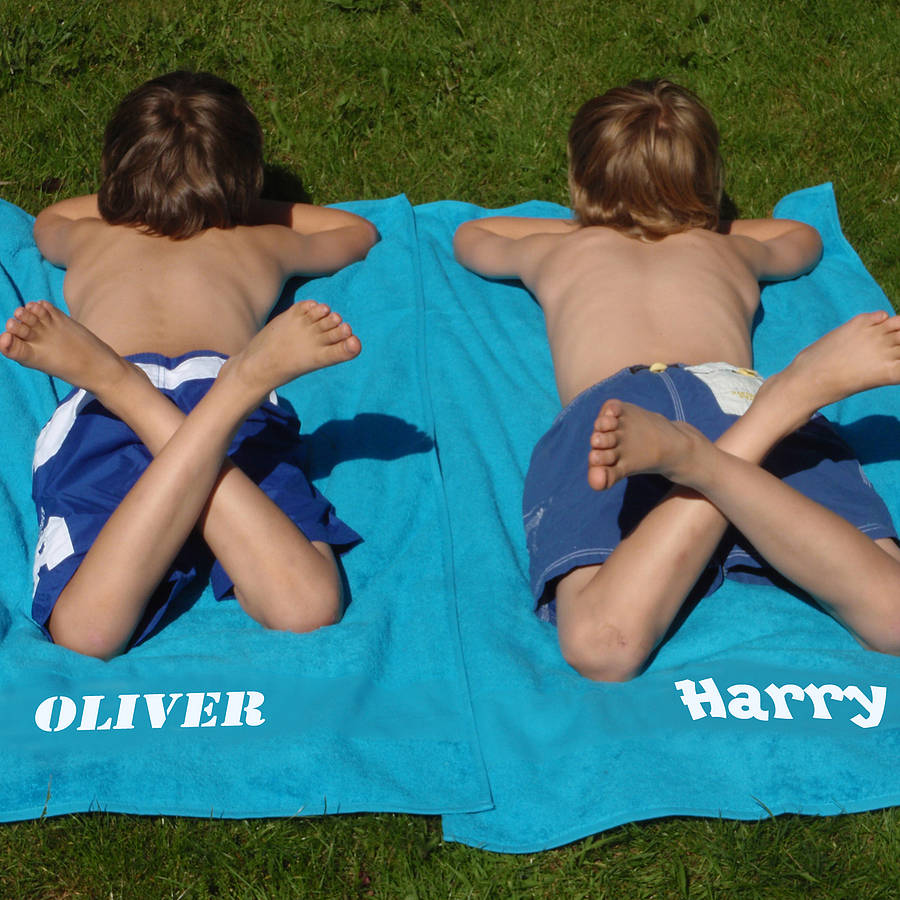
567, 524
213, 715
440, 690
567, 757
86, 461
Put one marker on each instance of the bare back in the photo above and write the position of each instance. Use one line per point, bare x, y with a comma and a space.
612, 301
141, 293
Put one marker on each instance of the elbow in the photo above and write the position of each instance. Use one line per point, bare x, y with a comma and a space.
461, 240
817, 247
43, 221
366, 237
810, 242
370, 235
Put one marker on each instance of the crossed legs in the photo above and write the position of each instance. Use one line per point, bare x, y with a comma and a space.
281, 579
611, 617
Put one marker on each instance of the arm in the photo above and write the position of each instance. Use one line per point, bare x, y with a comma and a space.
778, 249
329, 238
504, 246
55, 226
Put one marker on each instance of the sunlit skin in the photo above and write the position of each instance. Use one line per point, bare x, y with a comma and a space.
610, 301
131, 292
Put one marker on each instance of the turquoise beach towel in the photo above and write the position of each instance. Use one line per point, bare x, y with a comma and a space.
214, 716
440, 692
567, 757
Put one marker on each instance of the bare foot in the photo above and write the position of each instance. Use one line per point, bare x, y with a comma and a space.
628, 440
862, 353
305, 337
42, 337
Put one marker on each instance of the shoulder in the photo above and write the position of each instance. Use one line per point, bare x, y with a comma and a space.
776, 249
265, 240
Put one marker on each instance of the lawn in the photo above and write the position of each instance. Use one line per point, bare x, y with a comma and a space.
471, 101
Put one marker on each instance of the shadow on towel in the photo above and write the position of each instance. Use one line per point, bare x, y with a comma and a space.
365, 436
874, 438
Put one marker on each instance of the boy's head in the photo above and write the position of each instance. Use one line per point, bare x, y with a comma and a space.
182, 152
644, 159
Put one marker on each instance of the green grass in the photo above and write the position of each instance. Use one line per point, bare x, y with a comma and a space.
471, 100
464, 100
391, 856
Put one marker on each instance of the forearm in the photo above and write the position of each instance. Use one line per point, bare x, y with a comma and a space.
804, 245
507, 246
482, 250
785, 248
54, 226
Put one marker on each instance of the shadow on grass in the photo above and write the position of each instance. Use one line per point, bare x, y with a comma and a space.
280, 183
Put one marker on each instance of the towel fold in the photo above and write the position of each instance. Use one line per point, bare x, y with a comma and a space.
440, 691
213, 715
567, 757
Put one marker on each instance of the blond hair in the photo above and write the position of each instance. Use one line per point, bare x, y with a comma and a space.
644, 159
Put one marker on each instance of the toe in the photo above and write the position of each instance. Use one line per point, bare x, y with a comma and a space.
329, 322
602, 440
602, 458
351, 347
26, 314
18, 327
599, 478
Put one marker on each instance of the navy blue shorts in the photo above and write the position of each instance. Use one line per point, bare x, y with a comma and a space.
568, 525
86, 460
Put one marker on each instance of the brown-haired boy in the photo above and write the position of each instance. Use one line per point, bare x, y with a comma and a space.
643, 294
172, 272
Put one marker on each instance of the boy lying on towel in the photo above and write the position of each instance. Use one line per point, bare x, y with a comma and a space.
643, 294
172, 271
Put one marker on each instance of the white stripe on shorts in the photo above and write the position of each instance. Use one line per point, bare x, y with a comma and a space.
54, 433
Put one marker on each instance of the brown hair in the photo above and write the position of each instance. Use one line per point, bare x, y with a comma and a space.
181, 153
644, 159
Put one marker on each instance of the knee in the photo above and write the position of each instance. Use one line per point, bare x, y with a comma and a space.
887, 640
304, 608
86, 641
602, 652
302, 618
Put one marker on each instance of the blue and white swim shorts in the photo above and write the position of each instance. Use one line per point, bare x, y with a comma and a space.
567, 524
86, 460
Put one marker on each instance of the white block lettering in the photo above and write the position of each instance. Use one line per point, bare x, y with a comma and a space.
874, 707
778, 698
817, 695
43, 715
694, 701
236, 707
157, 712
746, 703
89, 713
196, 707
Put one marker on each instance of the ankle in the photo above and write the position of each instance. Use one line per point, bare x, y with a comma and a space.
238, 388
684, 461
120, 385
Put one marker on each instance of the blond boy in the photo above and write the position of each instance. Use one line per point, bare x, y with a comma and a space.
648, 300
